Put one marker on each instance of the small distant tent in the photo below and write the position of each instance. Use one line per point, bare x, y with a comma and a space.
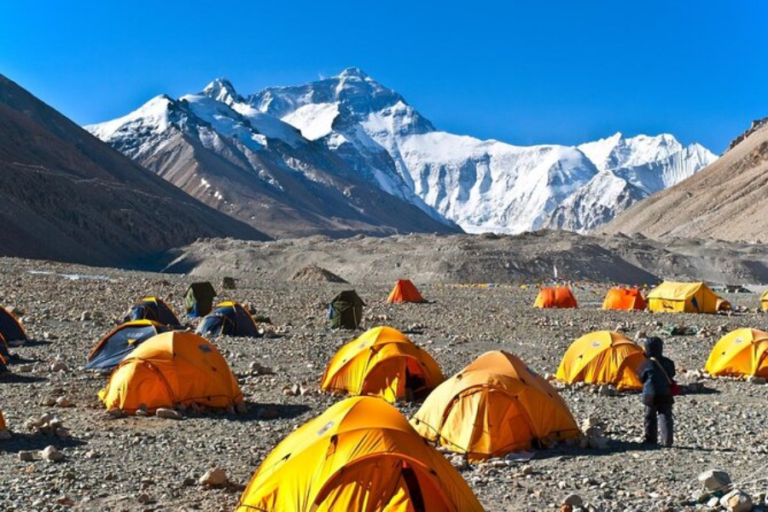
360, 455
229, 318
3, 364
198, 301
10, 327
345, 310
674, 297
120, 342
3, 426
741, 353
624, 299
155, 309
494, 406
382, 362
170, 369
559, 297
404, 291
602, 357
764, 301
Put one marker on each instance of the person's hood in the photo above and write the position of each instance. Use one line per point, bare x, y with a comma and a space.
654, 347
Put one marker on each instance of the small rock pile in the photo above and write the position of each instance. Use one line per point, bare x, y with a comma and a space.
48, 425
719, 493
593, 434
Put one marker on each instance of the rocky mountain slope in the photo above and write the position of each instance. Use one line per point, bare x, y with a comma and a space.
488, 258
481, 185
255, 167
727, 200
65, 195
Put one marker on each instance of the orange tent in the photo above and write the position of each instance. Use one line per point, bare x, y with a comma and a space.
602, 357
494, 406
171, 369
625, 299
558, 297
404, 291
359, 455
3, 426
381, 362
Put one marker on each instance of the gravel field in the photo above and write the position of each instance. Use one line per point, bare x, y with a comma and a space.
154, 464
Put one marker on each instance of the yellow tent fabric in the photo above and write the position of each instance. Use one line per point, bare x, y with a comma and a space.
171, 369
494, 406
602, 357
764, 301
360, 455
741, 353
675, 297
382, 362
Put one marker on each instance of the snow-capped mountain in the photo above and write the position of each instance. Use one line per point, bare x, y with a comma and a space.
481, 185
351, 129
631, 169
255, 167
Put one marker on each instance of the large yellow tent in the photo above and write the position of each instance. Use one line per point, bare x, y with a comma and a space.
494, 406
171, 369
360, 455
602, 357
741, 353
381, 362
674, 297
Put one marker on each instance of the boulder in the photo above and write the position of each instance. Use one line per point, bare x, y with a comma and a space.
214, 477
736, 501
168, 414
51, 454
714, 480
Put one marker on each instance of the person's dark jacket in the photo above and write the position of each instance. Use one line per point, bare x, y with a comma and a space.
656, 387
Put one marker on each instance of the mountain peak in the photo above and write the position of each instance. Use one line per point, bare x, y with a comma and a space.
222, 90
354, 72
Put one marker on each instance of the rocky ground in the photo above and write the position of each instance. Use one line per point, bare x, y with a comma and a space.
155, 464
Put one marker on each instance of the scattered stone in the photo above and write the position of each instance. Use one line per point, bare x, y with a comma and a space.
168, 414
26, 455
459, 462
63, 401
573, 500
214, 477
86, 316
756, 380
59, 366
736, 501
714, 480
51, 454
5, 434
115, 413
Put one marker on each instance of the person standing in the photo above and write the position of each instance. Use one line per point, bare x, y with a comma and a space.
657, 373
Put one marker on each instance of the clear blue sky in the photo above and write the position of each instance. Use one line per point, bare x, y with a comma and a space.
520, 71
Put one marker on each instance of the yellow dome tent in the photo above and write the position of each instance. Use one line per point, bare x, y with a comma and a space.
171, 369
381, 362
494, 406
360, 455
764, 301
685, 298
602, 357
741, 353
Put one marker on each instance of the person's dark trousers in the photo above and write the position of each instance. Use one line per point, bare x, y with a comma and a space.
658, 410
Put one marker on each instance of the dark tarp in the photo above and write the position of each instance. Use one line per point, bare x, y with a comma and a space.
346, 310
198, 301
120, 342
